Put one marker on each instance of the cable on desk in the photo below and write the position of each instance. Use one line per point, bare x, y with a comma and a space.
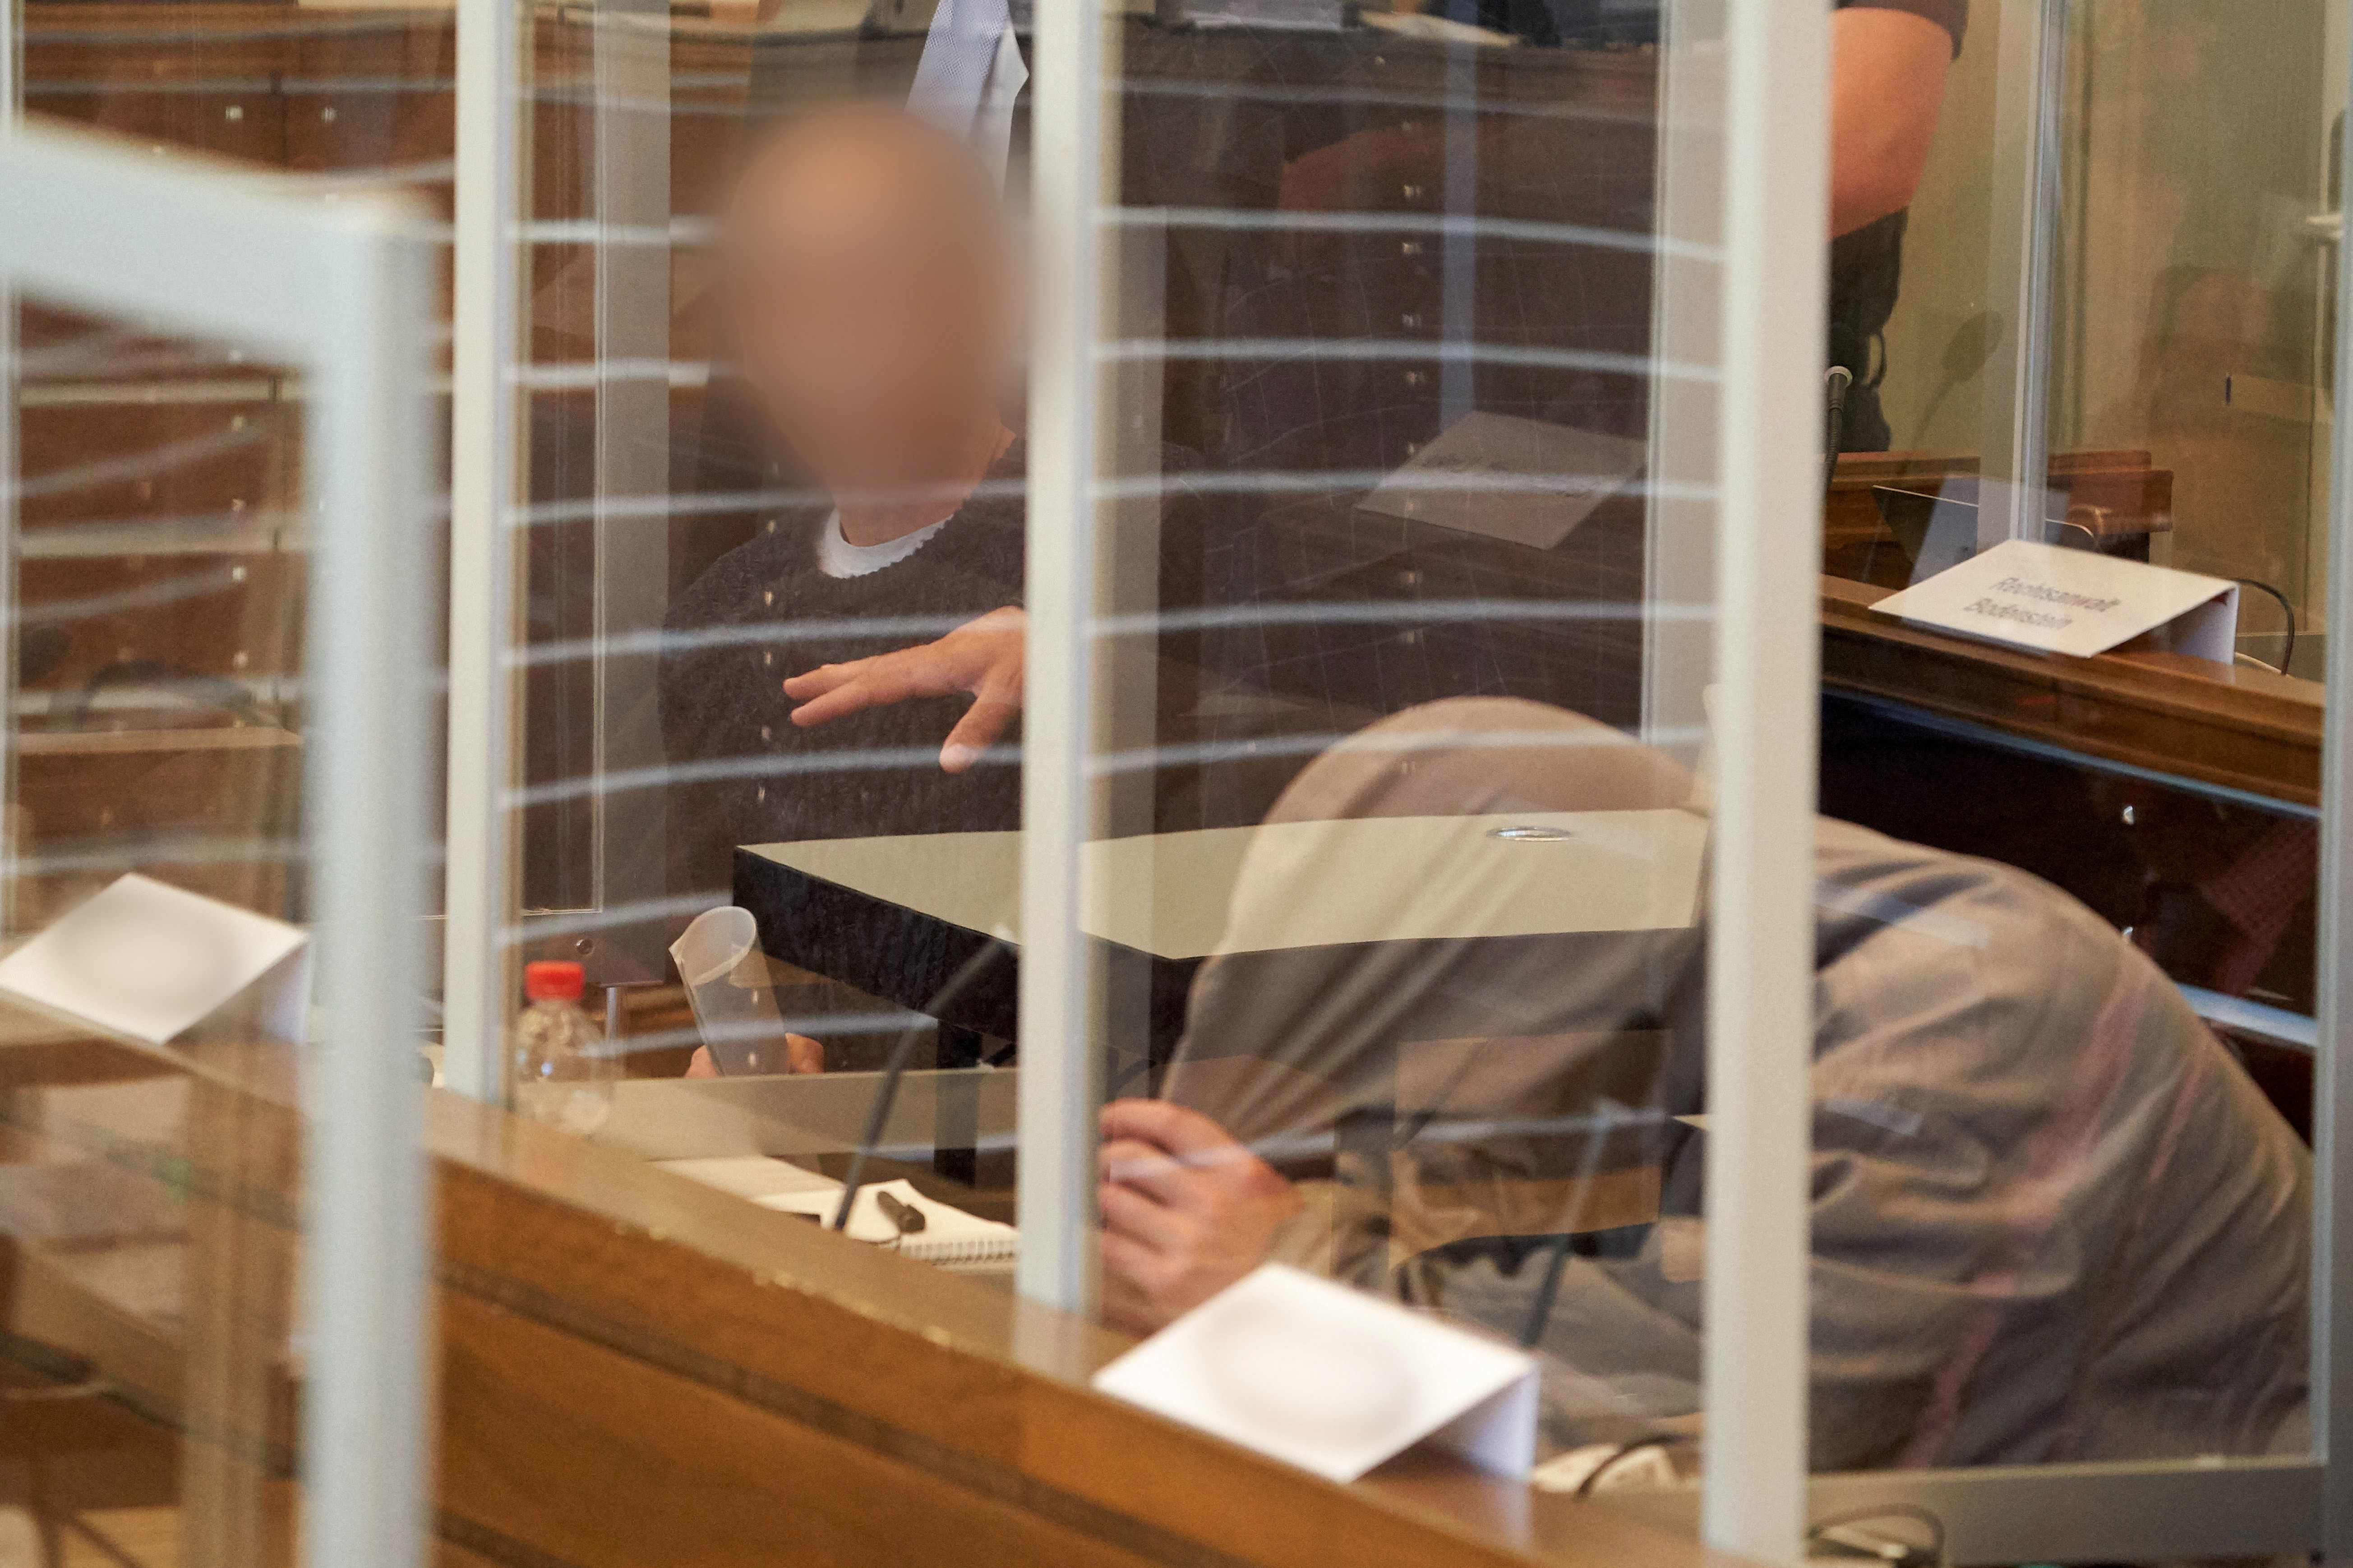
1592, 1481
886, 1094
1897, 1553
2288, 652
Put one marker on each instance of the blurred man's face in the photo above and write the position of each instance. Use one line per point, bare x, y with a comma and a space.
868, 279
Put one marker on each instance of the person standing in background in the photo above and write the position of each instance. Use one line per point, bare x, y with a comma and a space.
1889, 59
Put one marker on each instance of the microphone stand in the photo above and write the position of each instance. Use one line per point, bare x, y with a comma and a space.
893, 1070
1836, 380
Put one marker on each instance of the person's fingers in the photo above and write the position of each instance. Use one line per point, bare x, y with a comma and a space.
883, 682
980, 728
935, 670
816, 682
869, 690
1165, 1124
1129, 1258
804, 1055
984, 656
701, 1065
1127, 1212
1010, 618
1130, 1272
1148, 1169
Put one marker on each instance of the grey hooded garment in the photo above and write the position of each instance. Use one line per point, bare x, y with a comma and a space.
2051, 1218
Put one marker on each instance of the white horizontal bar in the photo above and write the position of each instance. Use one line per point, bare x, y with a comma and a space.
2255, 1017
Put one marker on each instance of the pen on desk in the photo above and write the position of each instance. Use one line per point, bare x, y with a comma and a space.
905, 1217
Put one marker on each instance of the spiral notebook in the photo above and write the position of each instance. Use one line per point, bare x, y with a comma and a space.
949, 1235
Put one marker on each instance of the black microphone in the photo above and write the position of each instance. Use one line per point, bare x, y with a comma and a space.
1837, 379
887, 1092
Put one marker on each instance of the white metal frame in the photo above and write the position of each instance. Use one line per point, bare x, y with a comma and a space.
12, 101
2332, 1284
1760, 957
343, 292
483, 576
490, 376
1060, 1087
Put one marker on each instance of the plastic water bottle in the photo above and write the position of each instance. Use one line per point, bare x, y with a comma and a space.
562, 1075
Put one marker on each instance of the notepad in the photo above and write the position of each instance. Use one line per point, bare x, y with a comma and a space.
754, 1176
949, 1235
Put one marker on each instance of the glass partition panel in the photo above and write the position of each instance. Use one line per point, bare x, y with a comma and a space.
2069, 901
1405, 542
156, 733
182, 683
1936, 346
769, 344
182, 961
1924, 270
2128, 262
1379, 393
160, 584
1381, 466
2194, 288
332, 101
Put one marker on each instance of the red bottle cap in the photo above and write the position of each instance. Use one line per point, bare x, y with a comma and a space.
554, 982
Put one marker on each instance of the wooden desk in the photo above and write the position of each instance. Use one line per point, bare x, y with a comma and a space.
2175, 796
636, 1369
2238, 727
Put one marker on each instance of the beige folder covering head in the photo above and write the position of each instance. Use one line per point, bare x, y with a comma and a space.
1491, 1068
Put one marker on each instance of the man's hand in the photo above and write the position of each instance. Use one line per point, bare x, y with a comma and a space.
801, 1055
1187, 1211
983, 656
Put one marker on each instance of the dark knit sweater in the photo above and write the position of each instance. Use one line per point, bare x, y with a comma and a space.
746, 773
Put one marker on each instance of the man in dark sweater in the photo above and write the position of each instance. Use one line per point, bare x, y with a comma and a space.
870, 291
855, 671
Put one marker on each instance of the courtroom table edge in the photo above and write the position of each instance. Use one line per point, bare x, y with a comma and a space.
913, 959
955, 1374
2241, 729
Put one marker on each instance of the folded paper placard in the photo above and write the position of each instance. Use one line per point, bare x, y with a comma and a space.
2075, 602
1331, 1379
151, 961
